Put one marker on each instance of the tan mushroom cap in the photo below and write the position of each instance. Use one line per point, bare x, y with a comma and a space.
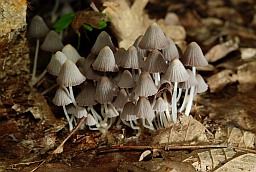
145, 86
61, 97
86, 97
37, 27
52, 42
144, 110
160, 105
70, 75
57, 60
176, 72
192, 81
102, 40
193, 56
121, 99
126, 80
201, 86
154, 38
155, 62
105, 90
128, 113
71, 53
105, 61
171, 52
131, 59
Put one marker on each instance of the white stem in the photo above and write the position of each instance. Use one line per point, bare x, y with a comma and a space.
150, 126
179, 95
135, 128
68, 119
184, 101
174, 103
35, 61
96, 116
49, 89
72, 96
39, 78
191, 95
167, 112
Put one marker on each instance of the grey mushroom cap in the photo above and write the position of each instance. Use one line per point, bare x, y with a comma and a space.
81, 112
128, 113
57, 60
70, 75
37, 27
121, 99
131, 59
160, 105
144, 110
192, 81
71, 53
155, 62
86, 97
102, 40
201, 86
193, 56
171, 52
90, 121
52, 42
154, 38
61, 97
126, 80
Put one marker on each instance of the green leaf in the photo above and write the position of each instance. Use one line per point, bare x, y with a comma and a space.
87, 27
102, 24
64, 22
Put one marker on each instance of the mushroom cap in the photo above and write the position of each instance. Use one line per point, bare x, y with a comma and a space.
37, 27
61, 97
57, 60
130, 59
155, 62
190, 82
154, 38
112, 112
126, 80
175, 72
80, 112
90, 121
102, 40
128, 113
201, 86
145, 86
121, 99
80, 62
86, 97
144, 110
88, 71
171, 52
119, 55
141, 52
105, 61
193, 56
70, 75
160, 105
52, 42
105, 90
71, 53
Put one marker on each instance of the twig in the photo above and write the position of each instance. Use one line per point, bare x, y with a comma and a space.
59, 149
245, 149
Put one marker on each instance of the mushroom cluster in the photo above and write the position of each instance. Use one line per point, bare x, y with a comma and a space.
141, 87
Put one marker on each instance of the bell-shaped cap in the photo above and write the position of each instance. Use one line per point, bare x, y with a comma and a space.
37, 27
176, 72
171, 52
80, 112
121, 99
190, 82
128, 113
70, 75
105, 90
57, 60
119, 55
154, 38
126, 80
102, 40
142, 53
131, 60
145, 86
155, 62
160, 105
62, 97
71, 53
144, 110
112, 112
193, 56
86, 97
90, 121
52, 42
88, 71
201, 86
105, 61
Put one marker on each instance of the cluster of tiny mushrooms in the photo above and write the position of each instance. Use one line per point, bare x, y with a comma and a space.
145, 86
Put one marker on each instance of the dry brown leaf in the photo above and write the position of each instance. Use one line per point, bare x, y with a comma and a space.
218, 81
221, 50
246, 75
248, 53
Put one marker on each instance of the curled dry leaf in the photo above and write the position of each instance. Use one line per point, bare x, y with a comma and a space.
218, 81
221, 50
246, 75
248, 53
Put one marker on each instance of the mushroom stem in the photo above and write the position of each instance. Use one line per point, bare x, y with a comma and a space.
35, 61
39, 78
150, 126
179, 94
72, 96
135, 128
96, 116
167, 112
191, 95
174, 103
184, 101
68, 119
